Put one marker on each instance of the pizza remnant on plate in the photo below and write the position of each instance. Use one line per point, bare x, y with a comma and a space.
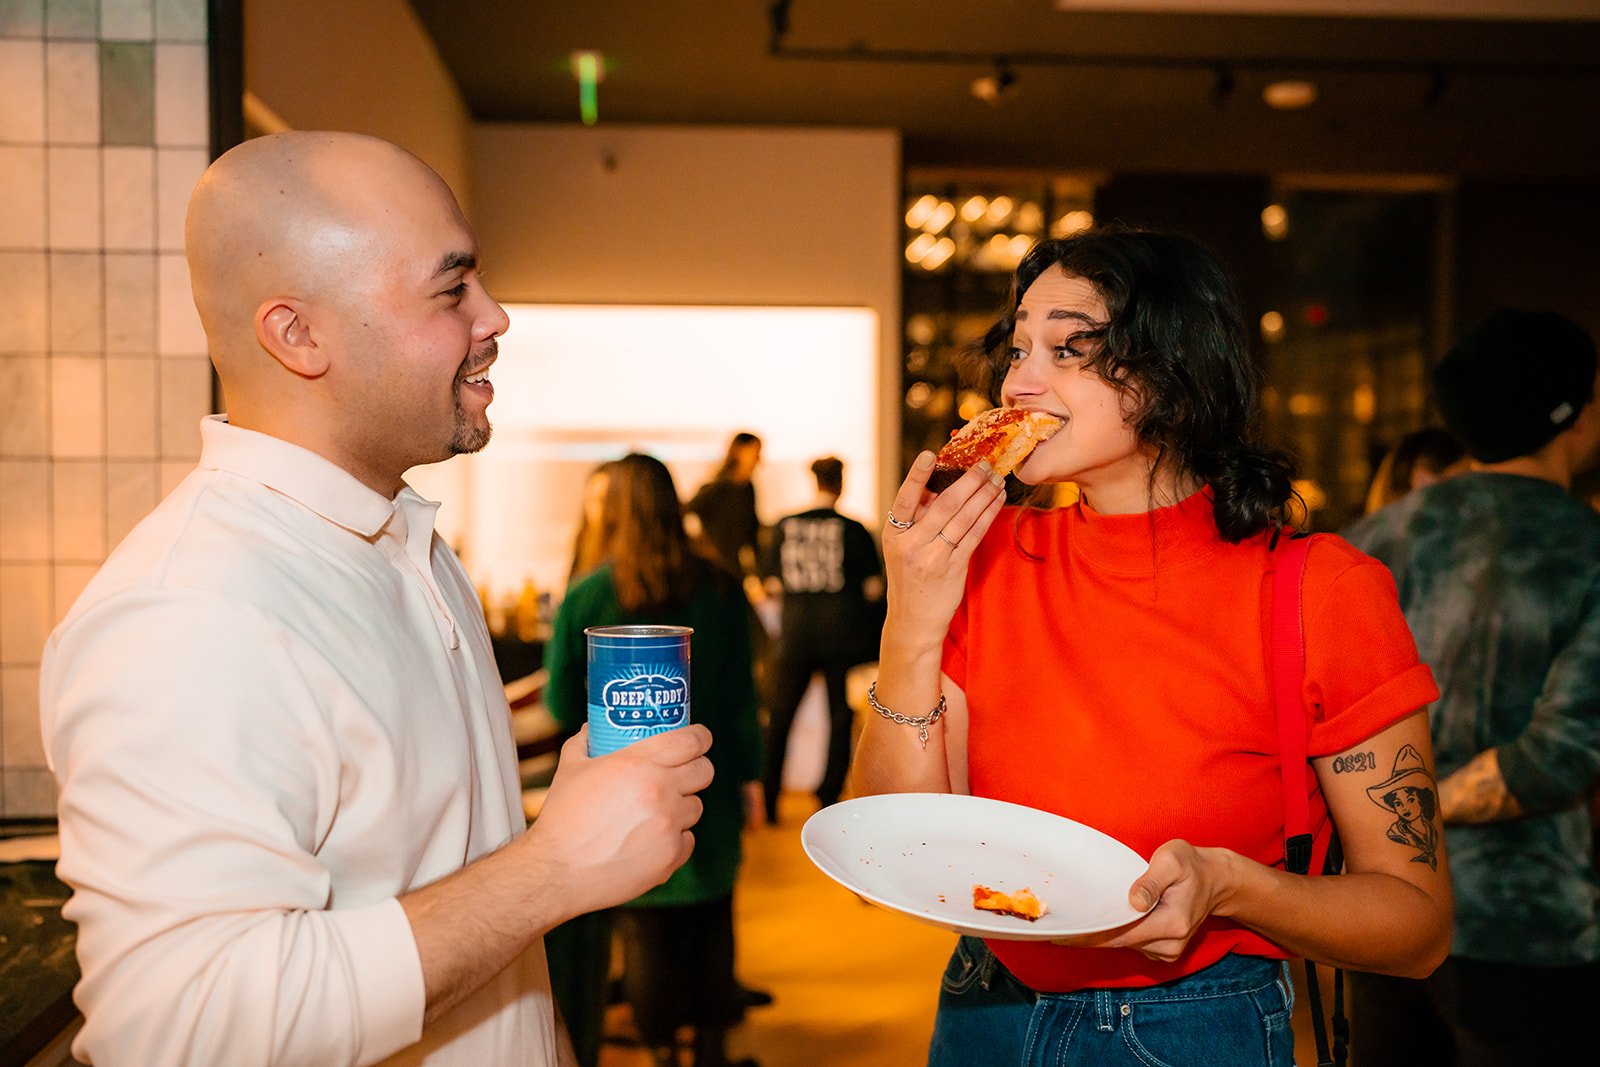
1022, 904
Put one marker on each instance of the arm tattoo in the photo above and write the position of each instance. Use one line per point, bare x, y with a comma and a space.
1477, 793
1411, 793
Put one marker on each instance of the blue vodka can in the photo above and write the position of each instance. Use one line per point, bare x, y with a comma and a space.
638, 683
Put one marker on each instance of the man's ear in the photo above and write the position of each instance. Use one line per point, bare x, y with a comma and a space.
284, 330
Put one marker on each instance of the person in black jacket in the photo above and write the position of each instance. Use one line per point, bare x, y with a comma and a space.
725, 506
827, 570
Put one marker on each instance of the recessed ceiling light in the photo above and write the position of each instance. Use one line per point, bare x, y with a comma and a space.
1290, 94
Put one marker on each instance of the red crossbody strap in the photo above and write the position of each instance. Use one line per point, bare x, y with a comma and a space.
1288, 646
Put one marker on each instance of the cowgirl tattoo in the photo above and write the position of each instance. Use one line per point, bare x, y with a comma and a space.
1409, 792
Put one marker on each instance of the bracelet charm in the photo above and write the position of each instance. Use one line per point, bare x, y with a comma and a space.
921, 722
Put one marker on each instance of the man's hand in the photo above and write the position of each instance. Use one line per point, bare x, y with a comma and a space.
611, 828
614, 826
1477, 793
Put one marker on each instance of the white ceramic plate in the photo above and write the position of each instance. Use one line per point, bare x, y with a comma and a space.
921, 853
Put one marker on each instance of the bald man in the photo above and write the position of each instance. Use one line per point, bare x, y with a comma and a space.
290, 811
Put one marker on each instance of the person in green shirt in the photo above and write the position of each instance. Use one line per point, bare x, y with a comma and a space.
678, 937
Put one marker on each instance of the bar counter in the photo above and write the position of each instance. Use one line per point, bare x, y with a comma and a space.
38, 967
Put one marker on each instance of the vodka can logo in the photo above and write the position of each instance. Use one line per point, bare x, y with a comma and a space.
638, 683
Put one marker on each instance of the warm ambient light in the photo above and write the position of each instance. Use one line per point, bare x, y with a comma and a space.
577, 385
919, 247
921, 211
1290, 94
1364, 403
1272, 327
992, 87
1072, 222
1275, 222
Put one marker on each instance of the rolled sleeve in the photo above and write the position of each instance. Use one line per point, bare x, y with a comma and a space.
1363, 673
198, 781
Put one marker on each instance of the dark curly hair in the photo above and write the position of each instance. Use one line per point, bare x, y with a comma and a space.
1173, 345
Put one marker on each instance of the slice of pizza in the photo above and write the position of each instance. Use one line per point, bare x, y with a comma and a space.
1022, 903
1003, 436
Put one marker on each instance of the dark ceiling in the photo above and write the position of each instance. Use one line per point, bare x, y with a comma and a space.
1135, 91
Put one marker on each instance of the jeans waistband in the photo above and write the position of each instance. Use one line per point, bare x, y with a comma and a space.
1229, 975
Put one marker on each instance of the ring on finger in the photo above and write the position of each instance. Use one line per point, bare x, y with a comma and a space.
898, 524
940, 535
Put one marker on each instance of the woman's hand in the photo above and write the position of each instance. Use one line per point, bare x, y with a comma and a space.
928, 541
1186, 884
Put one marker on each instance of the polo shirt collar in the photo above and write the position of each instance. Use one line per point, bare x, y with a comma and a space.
299, 474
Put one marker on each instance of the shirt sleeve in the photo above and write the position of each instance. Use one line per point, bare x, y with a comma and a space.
198, 778
1363, 674
1553, 762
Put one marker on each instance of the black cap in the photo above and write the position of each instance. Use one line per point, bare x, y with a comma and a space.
1515, 381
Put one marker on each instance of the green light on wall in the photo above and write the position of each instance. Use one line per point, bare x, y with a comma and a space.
590, 69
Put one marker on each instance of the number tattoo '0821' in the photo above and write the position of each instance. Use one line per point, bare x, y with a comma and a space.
1355, 761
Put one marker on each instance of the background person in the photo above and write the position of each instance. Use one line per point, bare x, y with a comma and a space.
725, 506
678, 938
289, 809
1106, 661
827, 571
588, 551
1499, 576
1419, 458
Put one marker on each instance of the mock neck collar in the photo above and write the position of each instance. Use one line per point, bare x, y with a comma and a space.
1139, 543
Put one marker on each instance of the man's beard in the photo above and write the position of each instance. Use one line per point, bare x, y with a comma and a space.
466, 437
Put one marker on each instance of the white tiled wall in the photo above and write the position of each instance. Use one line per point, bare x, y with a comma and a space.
104, 125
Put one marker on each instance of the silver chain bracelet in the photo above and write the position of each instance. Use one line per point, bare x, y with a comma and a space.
921, 722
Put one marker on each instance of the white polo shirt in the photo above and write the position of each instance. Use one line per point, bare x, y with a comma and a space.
273, 711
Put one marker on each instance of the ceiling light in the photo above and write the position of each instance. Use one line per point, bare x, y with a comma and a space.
974, 208
940, 217
999, 209
1291, 94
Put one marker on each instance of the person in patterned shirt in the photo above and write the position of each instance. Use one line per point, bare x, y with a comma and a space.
1499, 576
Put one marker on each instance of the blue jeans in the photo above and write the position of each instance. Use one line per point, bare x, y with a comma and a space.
1234, 1013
